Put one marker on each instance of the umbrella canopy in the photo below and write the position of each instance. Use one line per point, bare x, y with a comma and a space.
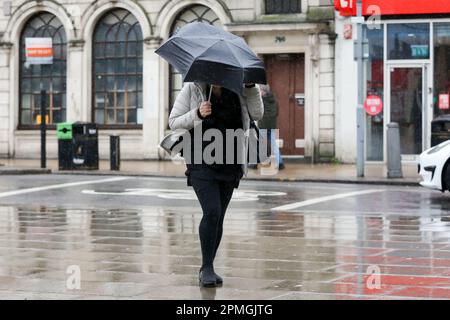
207, 54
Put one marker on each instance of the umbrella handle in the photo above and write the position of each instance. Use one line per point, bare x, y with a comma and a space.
210, 92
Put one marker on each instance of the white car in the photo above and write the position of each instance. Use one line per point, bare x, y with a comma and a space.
434, 167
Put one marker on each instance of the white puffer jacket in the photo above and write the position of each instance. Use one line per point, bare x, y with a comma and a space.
184, 112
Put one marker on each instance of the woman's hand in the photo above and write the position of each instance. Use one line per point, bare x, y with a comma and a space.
205, 109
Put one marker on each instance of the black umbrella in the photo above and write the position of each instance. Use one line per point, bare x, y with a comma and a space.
207, 54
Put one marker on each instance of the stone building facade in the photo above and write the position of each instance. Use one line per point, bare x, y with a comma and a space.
105, 69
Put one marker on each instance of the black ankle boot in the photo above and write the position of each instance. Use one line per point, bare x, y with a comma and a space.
207, 277
219, 279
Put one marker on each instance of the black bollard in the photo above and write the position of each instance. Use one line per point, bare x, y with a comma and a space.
43, 128
115, 153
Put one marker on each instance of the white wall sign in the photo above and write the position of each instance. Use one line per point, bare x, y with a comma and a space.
39, 50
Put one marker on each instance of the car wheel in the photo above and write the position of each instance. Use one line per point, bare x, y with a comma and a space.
446, 177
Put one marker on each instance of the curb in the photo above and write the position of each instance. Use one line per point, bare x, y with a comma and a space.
11, 171
381, 182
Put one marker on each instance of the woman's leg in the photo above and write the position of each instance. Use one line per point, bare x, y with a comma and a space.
208, 194
226, 193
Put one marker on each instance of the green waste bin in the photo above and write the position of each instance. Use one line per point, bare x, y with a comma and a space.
64, 134
77, 146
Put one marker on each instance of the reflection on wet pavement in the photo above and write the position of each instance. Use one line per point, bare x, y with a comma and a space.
153, 253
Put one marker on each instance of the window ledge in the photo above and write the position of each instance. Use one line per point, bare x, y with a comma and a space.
125, 132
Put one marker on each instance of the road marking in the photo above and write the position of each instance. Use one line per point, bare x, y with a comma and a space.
58, 186
183, 194
309, 202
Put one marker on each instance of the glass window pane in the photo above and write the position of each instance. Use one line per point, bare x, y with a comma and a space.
132, 116
122, 32
25, 85
110, 102
111, 66
120, 100
121, 116
57, 116
100, 101
121, 82
59, 68
121, 49
132, 66
100, 32
100, 83
441, 66
36, 70
409, 41
63, 100
110, 49
100, 66
57, 101
46, 70
132, 100
140, 83
132, 49
26, 72
99, 50
375, 87
140, 66
121, 66
36, 85
140, 103
26, 101
100, 116
110, 116
132, 84
110, 83
25, 117
58, 84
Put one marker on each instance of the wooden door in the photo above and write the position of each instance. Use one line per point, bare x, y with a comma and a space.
286, 77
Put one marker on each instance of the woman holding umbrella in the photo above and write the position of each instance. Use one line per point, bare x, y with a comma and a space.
214, 183
219, 93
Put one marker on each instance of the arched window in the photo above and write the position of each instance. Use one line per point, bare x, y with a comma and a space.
193, 13
117, 70
50, 77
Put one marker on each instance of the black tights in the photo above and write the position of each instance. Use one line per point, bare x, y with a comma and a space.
214, 197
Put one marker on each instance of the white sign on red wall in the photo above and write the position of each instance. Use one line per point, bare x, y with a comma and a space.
346, 7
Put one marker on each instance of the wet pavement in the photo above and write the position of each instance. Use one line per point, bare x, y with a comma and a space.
137, 238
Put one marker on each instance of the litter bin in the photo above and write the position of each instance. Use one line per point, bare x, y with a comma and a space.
64, 133
78, 146
440, 130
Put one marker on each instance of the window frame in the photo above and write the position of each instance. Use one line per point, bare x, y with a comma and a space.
300, 5
50, 95
138, 75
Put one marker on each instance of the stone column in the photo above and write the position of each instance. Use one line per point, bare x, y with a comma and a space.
152, 97
315, 93
326, 93
76, 111
5, 86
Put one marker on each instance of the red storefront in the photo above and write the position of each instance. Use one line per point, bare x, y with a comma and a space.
408, 67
